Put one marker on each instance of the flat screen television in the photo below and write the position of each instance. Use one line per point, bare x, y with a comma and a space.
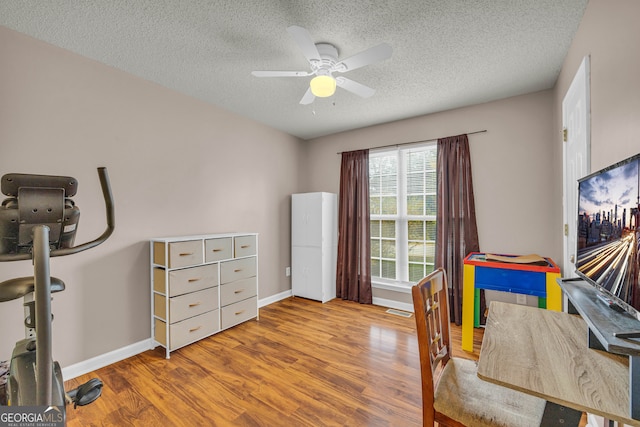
608, 233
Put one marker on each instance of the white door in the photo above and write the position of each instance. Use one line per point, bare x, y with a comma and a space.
298, 220
306, 272
306, 219
576, 127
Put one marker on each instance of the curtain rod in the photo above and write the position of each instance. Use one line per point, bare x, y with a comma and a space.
412, 142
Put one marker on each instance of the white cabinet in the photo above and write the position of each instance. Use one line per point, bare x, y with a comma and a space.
314, 242
201, 285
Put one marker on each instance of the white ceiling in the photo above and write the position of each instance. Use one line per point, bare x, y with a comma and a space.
446, 53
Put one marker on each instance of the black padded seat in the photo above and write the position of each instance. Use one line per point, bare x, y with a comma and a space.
17, 288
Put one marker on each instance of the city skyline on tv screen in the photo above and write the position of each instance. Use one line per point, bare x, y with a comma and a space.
608, 232
610, 195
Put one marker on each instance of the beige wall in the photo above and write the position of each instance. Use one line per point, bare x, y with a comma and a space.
511, 162
610, 36
177, 166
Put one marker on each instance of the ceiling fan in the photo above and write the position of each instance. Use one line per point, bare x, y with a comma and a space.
323, 59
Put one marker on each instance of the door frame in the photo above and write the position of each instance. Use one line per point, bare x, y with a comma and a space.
581, 82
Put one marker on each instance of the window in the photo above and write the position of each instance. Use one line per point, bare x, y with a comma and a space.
402, 188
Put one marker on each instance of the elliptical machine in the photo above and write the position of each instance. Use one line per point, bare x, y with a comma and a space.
39, 220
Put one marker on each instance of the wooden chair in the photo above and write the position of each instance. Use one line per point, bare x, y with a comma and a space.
452, 393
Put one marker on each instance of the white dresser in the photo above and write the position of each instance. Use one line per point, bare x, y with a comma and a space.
201, 285
314, 243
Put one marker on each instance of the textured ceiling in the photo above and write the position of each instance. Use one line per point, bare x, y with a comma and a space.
446, 53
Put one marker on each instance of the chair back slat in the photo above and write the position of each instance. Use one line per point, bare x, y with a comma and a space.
432, 326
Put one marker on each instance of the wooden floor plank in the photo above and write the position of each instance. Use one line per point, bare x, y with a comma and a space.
302, 363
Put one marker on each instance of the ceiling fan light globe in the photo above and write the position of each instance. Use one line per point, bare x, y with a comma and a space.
323, 86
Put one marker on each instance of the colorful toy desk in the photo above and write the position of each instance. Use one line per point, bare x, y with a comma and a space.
527, 279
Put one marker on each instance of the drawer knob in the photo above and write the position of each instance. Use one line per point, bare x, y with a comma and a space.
239, 312
237, 270
195, 304
217, 250
238, 291
193, 280
245, 246
194, 329
186, 254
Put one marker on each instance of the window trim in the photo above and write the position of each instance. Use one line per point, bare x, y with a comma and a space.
391, 285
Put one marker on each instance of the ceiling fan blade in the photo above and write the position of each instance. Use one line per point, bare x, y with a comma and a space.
355, 87
308, 97
304, 41
281, 73
370, 56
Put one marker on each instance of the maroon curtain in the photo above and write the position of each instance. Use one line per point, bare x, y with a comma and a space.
456, 230
353, 273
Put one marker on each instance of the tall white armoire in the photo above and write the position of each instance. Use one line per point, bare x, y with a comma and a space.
314, 245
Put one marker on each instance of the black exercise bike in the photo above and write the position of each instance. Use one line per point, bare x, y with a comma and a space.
39, 220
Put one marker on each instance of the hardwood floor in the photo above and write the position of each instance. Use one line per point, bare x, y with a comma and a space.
302, 364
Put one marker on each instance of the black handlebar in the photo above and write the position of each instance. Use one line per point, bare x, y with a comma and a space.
108, 200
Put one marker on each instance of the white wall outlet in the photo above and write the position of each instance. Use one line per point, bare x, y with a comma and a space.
521, 299
287, 271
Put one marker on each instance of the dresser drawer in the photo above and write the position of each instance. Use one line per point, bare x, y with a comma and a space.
245, 246
181, 254
237, 269
184, 306
192, 304
192, 279
238, 290
218, 249
239, 312
187, 331
193, 329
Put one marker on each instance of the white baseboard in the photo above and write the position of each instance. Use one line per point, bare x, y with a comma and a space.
274, 298
90, 365
393, 304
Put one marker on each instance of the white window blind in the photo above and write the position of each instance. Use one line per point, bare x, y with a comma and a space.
402, 190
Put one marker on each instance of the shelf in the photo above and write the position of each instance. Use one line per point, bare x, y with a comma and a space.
603, 321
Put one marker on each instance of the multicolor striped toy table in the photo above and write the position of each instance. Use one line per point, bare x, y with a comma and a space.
527, 279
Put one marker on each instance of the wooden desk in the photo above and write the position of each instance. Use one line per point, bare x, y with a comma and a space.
545, 353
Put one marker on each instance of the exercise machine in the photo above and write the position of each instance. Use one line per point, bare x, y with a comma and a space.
39, 220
